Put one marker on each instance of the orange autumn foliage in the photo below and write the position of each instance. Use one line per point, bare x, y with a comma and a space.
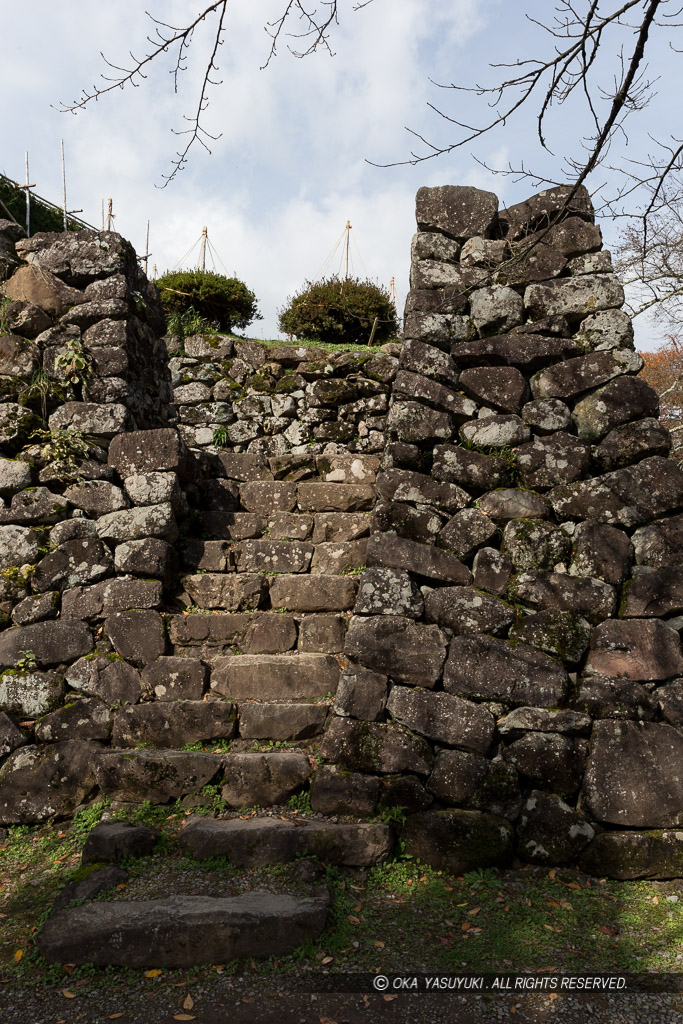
663, 370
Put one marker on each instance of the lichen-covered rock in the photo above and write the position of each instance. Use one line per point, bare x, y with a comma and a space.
16, 426
554, 591
174, 679
573, 376
442, 717
275, 677
86, 718
467, 531
532, 544
361, 693
161, 724
660, 543
151, 451
147, 557
334, 791
37, 505
106, 676
528, 351
545, 208
138, 636
384, 591
503, 388
96, 497
547, 415
500, 431
10, 736
471, 780
109, 596
29, 694
281, 722
41, 288
549, 831
548, 461
484, 668
492, 570
543, 720
564, 635
14, 476
511, 503
632, 855
457, 211
670, 700
549, 759
375, 747
263, 779
404, 485
622, 400
626, 497
607, 697
230, 592
413, 422
155, 775
74, 563
634, 776
42, 782
464, 610
52, 643
654, 594
407, 651
313, 593
136, 523
612, 328
573, 297
496, 308
470, 469
18, 546
18, 357
90, 418
421, 559
632, 442
642, 649
602, 552
427, 361
456, 840
417, 388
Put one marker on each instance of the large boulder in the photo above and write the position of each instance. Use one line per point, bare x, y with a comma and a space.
42, 782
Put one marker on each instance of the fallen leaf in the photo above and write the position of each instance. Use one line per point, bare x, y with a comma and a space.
573, 885
153, 973
608, 929
466, 926
553, 996
326, 1020
655, 900
327, 959
67, 994
3, 915
552, 873
366, 1002
183, 1016
353, 920
378, 944
552, 903
388, 999
475, 911
114, 1016
188, 1002
18, 955
68, 968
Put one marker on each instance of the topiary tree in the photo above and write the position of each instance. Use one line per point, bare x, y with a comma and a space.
224, 301
340, 311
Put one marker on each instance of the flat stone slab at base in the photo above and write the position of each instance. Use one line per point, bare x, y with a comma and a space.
181, 931
456, 841
260, 841
630, 855
155, 775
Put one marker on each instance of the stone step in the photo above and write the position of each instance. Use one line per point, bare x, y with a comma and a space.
275, 676
198, 635
181, 931
258, 841
279, 721
318, 527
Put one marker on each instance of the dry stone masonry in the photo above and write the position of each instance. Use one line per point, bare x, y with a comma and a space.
439, 583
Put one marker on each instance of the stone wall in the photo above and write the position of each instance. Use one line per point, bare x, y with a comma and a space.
443, 587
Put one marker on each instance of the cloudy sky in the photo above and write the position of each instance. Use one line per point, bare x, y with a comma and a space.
292, 163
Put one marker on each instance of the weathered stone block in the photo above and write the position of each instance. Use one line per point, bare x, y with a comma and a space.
275, 677
425, 390
557, 591
492, 571
470, 469
564, 635
464, 610
42, 782
420, 524
632, 442
36, 505
281, 721
263, 779
626, 497
457, 211
659, 544
443, 718
549, 759
605, 697
497, 308
19, 546
513, 503
273, 556
361, 694
542, 720
643, 650
87, 718
470, 780
343, 792
467, 531
10, 736
456, 840
151, 451
230, 592
574, 297
90, 418
621, 401
421, 559
110, 596
313, 593
105, 676
148, 557
414, 422
631, 855
483, 668
375, 747
404, 485
383, 591
331, 558
30, 694
77, 562
548, 461
549, 831
634, 776
138, 636
320, 497
160, 724
407, 651
500, 387
136, 523
501, 431
155, 775
267, 497
175, 679
602, 552
51, 642
96, 497
547, 415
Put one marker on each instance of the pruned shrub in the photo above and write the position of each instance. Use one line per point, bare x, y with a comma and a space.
223, 301
341, 312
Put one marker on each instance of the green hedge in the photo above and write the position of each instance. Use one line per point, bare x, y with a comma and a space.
224, 301
341, 312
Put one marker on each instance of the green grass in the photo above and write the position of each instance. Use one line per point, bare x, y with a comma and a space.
398, 917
